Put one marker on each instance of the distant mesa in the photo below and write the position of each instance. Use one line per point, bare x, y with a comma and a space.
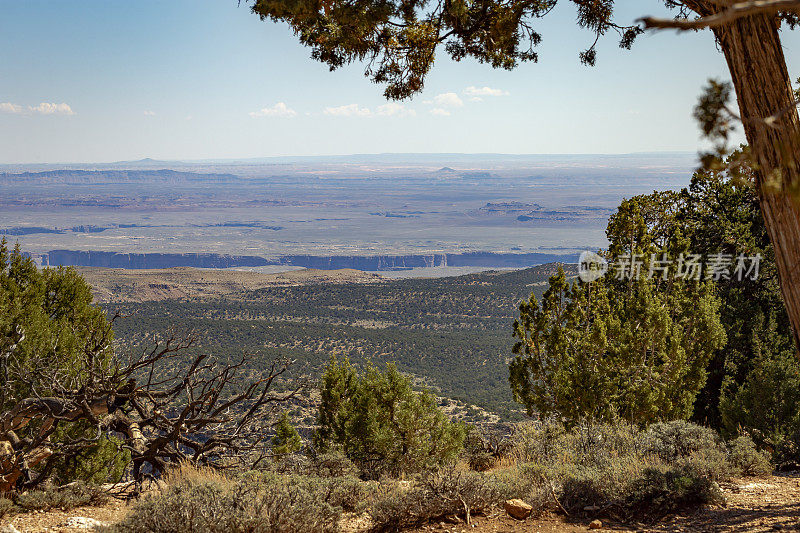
148, 260
415, 214
474, 175
507, 209
255, 225
510, 207
95, 177
320, 262
28, 230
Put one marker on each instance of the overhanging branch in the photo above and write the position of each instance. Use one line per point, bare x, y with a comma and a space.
734, 12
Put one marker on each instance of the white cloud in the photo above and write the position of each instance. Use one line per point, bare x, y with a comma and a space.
448, 100
440, 112
278, 110
8, 107
350, 110
149, 113
45, 108
394, 109
477, 92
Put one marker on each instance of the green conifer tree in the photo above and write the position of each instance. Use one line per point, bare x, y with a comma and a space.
286, 439
381, 423
631, 344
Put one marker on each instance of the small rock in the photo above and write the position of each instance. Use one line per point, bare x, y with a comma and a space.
83, 522
517, 508
596, 524
9, 529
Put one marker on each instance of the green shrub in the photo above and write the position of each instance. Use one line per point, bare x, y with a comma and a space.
349, 493
666, 490
746, 459
483, 449
673, 440
255, 503
103, 462
667, 466
381, 423
529, 483
70, 496
767, 404
537, 441
443, 492
334, 464
6, 507
291, 464
549, 442
286, 439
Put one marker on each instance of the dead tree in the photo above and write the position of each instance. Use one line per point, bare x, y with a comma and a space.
165, 405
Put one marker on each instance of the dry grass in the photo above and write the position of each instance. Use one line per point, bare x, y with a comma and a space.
189, 473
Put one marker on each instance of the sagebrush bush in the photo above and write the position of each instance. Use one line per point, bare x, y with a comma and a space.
678, 439
527, 482
70, 496
349, 493
334, 464
291, 464
537, 441
253, 503
328, 464
746, 459
667, 466
443, 492
661, 490
6, 507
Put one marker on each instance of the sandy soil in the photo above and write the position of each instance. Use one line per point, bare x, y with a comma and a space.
54, 521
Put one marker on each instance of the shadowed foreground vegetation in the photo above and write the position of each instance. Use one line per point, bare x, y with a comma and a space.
614, 470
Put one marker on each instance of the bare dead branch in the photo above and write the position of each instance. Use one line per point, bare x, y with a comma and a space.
165, 405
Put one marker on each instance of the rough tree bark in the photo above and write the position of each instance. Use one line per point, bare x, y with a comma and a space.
752, 48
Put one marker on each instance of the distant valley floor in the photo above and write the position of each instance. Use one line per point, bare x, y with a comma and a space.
452, 333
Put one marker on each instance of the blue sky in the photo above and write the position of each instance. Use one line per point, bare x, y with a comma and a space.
96, 81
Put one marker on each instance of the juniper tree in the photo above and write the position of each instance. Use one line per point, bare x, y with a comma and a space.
399, 40
382, 424
286, 439
631, 344
719, 213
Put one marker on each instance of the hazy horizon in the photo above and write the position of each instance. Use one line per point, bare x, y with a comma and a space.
299, 157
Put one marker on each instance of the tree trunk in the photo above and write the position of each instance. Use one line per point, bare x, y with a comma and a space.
755, 58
